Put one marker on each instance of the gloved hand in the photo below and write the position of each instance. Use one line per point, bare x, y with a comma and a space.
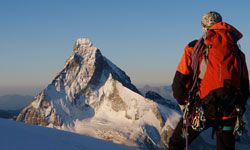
182, 107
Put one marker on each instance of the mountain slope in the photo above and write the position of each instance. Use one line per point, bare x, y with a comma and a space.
16, 136
92, 96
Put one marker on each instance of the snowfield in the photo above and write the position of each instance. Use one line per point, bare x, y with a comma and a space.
20, 136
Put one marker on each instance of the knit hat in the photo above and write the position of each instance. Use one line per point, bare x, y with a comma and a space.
209, 19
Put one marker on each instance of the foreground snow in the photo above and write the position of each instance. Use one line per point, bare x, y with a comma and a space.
16, 135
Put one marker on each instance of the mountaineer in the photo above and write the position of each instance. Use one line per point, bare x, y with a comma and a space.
211, 85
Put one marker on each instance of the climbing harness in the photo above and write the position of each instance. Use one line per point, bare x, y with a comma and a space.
240, 124
198, 122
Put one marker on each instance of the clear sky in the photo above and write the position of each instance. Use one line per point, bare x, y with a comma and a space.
145, 38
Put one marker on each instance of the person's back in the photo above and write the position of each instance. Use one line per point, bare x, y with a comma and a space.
214, 69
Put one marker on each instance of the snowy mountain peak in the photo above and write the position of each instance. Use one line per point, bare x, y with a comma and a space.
82, 43
93, 96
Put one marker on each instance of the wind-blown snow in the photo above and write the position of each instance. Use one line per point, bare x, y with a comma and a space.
19, 136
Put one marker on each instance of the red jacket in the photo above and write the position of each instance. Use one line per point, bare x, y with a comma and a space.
220, 39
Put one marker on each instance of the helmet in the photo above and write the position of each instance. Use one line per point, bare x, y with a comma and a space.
209, 19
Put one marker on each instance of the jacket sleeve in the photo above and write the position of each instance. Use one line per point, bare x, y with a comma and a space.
244, 81
183, 75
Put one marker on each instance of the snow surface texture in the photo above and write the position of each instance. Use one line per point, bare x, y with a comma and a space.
92, 96
18, 136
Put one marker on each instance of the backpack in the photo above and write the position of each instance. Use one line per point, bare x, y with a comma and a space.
219, 87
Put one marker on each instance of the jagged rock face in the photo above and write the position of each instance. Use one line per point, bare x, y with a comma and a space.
41, 115
93, 96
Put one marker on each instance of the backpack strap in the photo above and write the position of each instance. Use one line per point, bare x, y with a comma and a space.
195, 57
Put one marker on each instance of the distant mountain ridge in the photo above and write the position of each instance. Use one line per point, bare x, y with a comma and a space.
160, 100
9, 114
165, 91
14, 102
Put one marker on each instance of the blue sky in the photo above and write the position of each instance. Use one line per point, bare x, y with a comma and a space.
145, 38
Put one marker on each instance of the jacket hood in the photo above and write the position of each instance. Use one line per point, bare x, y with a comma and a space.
237, 35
